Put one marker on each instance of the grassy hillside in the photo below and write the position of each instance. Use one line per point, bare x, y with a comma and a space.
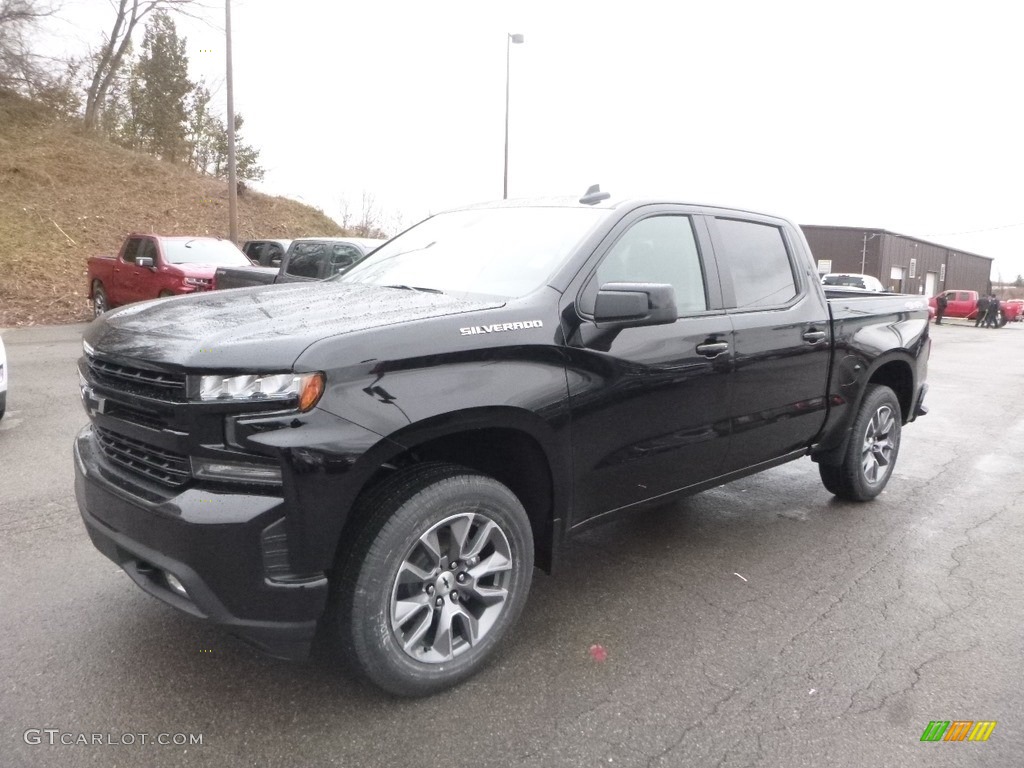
65, 196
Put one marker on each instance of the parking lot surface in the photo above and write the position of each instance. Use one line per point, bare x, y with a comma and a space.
761, 623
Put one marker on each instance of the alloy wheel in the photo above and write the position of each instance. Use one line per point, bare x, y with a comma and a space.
451, 587
879, 445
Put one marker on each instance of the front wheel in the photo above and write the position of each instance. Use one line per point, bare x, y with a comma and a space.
871, 454
434, 579
100, 303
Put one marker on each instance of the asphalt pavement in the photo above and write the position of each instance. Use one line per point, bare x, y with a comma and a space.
762, 623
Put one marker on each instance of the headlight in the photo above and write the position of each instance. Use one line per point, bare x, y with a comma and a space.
305, 387
200, 281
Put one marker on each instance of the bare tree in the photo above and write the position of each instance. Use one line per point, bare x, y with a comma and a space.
371, 221
115, 45
20, 69
346, 215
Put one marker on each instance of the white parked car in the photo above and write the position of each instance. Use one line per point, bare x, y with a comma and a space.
852, 280
3, 379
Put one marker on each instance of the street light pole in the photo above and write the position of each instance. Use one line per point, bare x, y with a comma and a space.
232, 175
508, 58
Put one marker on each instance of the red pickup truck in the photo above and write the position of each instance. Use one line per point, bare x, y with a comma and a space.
150, 266
965, 304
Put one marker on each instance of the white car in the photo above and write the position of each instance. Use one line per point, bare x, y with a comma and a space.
852, 280
3, 379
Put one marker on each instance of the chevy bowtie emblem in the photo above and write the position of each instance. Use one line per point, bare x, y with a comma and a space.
93, 403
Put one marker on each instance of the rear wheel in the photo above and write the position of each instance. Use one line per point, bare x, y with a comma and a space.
100, 303
434, 579
1001, 319
871, 454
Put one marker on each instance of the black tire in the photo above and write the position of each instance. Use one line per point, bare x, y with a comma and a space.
3, 403
398, 614
1001, 319
871, 454
100, 302
164, 294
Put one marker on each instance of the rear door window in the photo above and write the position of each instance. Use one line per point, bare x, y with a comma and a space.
759, 263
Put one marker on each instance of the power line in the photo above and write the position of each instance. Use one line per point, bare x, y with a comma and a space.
976, 231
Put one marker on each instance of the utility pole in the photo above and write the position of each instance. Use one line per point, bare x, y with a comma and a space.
508, 60
864, 251
232, 177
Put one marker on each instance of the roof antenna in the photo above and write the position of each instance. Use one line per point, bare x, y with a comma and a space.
594, 195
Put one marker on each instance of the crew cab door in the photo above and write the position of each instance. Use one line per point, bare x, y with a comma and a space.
650, 404
123, 287
961, 303
782, 341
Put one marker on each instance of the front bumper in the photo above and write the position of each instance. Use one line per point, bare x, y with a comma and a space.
218, 545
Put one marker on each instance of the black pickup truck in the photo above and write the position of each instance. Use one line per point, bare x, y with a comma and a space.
379, 460
305, 260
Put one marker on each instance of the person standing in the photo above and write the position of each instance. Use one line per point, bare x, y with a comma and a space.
992, 317
982, 310
940, 307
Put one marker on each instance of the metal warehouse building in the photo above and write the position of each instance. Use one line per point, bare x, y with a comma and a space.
903, 264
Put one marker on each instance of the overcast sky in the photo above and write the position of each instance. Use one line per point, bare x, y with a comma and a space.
898, 115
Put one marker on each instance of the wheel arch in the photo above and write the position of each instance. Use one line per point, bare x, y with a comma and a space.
515, 447
898, 375
895, 371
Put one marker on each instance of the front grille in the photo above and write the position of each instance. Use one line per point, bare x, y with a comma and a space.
164, 467
134, 415
143, 381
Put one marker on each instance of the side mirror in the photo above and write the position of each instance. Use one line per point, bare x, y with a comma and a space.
144, 261
629, 305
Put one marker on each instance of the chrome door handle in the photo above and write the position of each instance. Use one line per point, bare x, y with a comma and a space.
712, 349
814, 336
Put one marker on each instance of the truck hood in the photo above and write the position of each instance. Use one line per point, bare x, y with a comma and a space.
262, 328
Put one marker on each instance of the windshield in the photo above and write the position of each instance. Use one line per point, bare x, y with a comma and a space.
202, 250
506, 252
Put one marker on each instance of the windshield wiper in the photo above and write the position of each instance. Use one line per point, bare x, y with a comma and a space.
416, 288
